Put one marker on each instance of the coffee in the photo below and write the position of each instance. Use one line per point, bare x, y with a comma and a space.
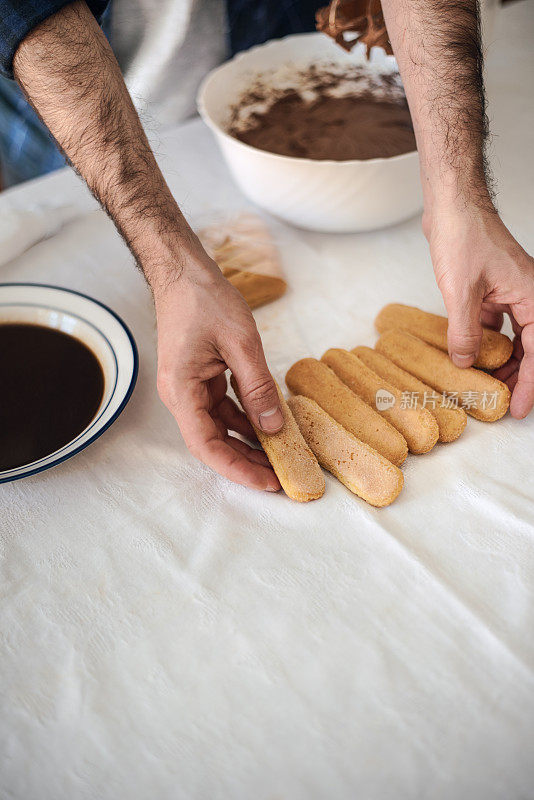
51, 386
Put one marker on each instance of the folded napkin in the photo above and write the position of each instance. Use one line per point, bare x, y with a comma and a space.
21, 228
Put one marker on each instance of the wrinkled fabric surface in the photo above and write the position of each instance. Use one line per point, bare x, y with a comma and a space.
166, 634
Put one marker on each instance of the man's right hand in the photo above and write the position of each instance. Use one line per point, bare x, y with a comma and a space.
205, 327
68, 71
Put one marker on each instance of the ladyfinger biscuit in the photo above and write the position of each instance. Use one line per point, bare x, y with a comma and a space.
364, 471
246, 254
256, 289
417, 425
482, 396
495, 347
451, 421
292, 460
314, 379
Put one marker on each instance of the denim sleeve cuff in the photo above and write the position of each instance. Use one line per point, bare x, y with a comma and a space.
18, 18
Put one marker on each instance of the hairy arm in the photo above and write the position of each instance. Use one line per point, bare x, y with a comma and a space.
439, 52
69, 74
481, 270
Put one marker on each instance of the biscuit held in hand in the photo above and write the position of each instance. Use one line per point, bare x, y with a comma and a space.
292, 460
451, 421
495, 347
314, 379
482, 396
416, 424
360, 468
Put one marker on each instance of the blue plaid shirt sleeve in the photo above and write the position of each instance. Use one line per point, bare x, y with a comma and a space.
19, 17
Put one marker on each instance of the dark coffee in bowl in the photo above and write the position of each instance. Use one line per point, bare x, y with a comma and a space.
51, 385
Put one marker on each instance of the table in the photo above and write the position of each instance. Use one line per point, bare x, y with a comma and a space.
165, 634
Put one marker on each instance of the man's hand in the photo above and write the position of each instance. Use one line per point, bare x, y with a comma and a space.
483, 272
205, 327
70, 75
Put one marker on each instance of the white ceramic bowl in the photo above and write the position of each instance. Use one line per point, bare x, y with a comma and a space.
333, 196
98, 327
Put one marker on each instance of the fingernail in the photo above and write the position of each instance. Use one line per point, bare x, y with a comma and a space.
270, 489
271, 421
463, 361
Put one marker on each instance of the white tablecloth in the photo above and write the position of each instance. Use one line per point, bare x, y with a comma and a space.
166, 634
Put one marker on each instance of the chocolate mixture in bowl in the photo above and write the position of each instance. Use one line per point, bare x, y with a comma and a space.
336, 128
327, 116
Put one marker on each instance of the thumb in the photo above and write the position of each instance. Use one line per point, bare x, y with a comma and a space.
256, 389
464, 332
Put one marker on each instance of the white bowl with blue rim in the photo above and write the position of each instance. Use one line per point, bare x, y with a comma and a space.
101, 330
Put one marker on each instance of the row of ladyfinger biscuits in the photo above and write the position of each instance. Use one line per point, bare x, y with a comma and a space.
332, 417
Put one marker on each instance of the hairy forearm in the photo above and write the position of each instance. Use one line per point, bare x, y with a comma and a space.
69, 74
438, 49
